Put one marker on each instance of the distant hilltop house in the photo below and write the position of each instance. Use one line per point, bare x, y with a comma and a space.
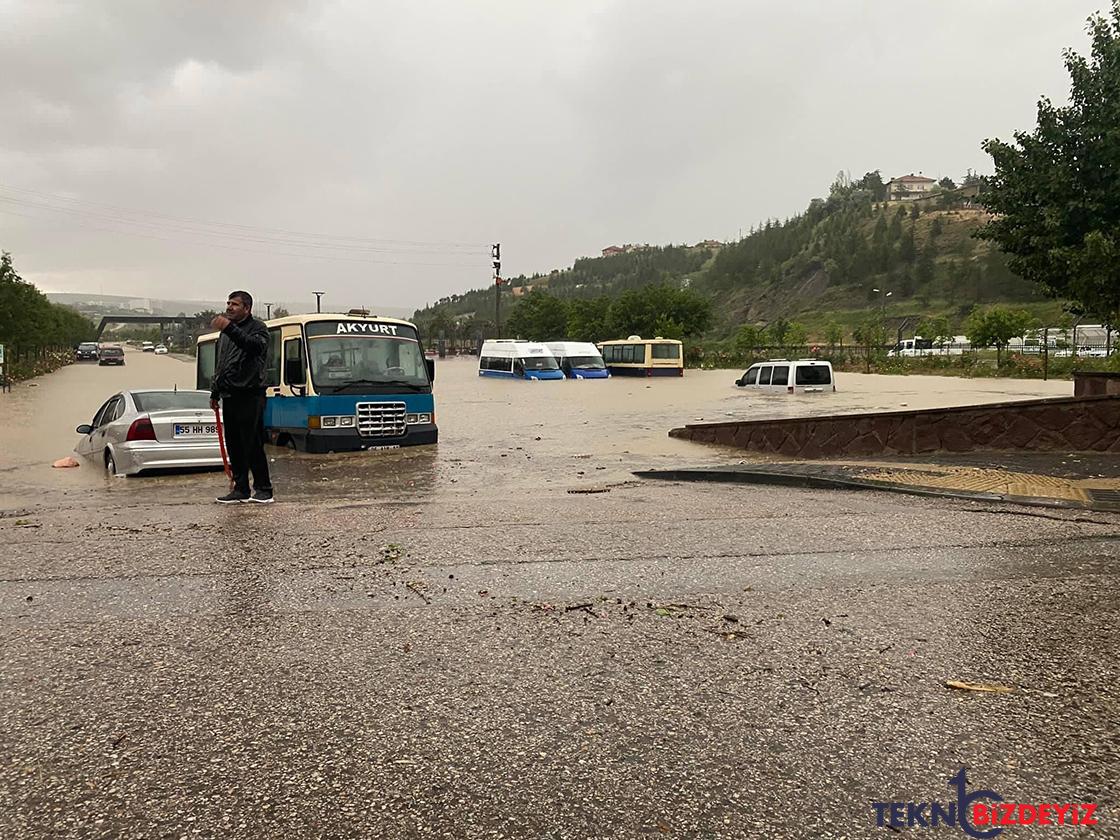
518, 291
909, 187
612, 250
709, 243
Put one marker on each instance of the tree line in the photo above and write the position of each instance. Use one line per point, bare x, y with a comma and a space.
29, 321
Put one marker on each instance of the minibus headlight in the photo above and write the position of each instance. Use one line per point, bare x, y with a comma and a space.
410, 419
348, 420
330, 422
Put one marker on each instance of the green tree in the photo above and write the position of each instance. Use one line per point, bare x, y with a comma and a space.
871, 335
936, 329
1054, 191
946, 183
280, 312
834, 335
749, 339
873, 183
539, 316
996, 327
797, 335
779, 331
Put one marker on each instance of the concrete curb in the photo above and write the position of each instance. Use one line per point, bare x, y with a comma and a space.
838, 482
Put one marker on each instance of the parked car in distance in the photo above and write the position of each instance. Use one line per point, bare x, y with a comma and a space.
147, 347
797, 376
110, 356
86, 351
160, 350
140, 430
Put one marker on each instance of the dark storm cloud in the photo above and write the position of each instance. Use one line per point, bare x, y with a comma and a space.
554, 128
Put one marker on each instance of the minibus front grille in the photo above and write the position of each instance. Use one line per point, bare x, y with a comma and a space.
381, 419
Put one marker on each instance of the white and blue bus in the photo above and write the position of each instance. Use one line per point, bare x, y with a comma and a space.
511, 358
341, 383
637, 356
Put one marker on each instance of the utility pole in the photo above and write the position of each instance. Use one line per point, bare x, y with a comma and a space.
496, 253
268, 311
318, 297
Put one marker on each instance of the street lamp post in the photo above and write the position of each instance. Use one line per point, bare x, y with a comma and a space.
318, 298
268, 311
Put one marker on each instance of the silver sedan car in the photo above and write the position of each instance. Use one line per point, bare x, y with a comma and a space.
152, 430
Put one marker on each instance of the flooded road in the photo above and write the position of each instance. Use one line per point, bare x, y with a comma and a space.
443, 642
521, 434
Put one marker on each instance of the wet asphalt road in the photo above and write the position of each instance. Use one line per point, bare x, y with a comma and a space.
431, 652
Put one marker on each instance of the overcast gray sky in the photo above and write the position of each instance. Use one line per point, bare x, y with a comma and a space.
375, 149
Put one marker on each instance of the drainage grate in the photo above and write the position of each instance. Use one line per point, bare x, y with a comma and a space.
1111, 498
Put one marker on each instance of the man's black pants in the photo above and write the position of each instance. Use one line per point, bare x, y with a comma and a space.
243, 418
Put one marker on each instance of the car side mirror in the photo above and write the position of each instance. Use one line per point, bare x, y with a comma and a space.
739, 382
84, 429
430, 364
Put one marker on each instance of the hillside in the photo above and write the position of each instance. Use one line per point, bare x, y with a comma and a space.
822, 265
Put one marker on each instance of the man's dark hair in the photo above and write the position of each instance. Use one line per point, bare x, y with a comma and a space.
245, 297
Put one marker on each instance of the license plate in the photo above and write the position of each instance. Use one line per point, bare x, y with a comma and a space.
382, 448
192, 430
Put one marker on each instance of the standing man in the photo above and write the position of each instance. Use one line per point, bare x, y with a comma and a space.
239, 383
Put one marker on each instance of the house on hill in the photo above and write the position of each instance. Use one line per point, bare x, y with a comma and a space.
611, 250
909, 187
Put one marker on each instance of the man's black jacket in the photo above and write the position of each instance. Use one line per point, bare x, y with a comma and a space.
239, 370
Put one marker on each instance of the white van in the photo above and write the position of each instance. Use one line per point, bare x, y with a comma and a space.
579, 359
515, 359
799, 376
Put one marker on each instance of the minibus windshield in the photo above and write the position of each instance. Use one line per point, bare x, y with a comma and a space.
539, 363
586, 363
364, 357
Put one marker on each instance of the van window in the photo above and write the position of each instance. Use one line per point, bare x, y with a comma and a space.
781, 375
813, 375
666, 351
764, 375
752, 376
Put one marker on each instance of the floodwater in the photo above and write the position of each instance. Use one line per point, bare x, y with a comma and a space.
514, 435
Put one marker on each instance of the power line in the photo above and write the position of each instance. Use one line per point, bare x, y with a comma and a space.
226, 246
151, 219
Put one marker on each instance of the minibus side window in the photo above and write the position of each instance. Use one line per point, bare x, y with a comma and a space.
752, 376
764, 376
780, 375
272, 359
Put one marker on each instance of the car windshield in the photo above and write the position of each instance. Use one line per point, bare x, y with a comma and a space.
365, 357
586, 362
87, 345
539, 363
162, 400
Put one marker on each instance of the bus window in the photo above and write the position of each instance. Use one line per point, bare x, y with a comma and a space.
666, 351
272, 359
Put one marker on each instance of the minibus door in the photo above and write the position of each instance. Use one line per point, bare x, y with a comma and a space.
291, 411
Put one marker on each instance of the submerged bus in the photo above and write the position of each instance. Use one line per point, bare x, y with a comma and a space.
340, 383
637, 356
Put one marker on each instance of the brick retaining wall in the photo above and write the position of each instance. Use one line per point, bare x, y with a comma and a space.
1063, 424
1093, 383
